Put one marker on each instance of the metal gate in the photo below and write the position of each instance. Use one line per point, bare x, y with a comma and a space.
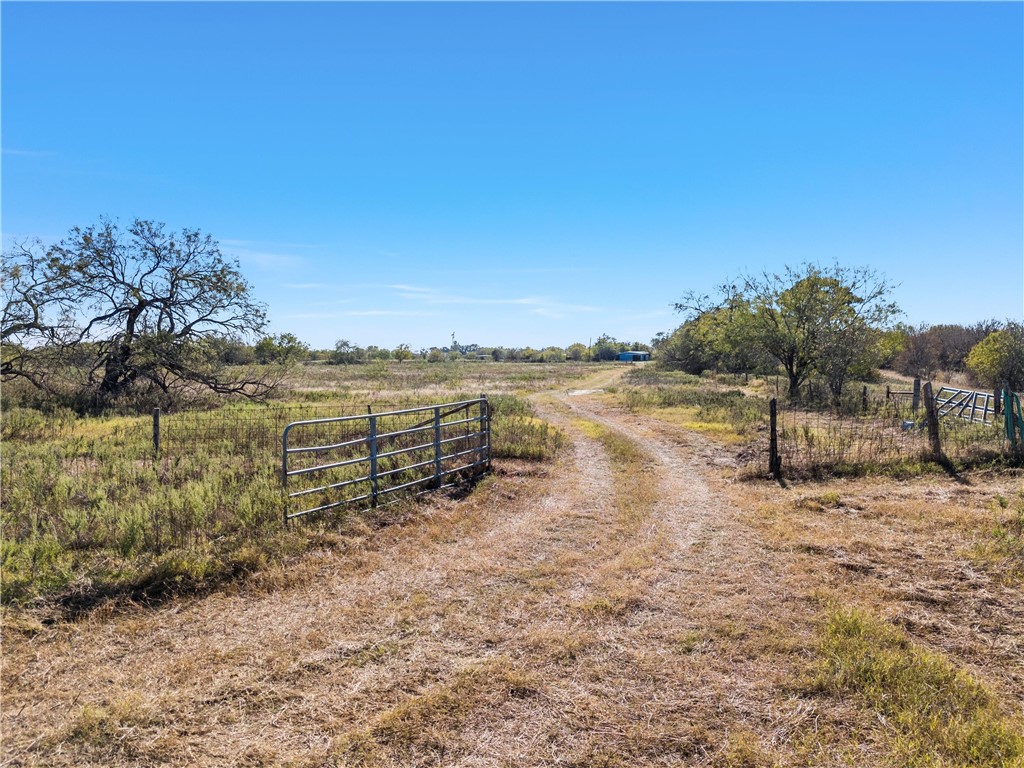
966, 404
328, 463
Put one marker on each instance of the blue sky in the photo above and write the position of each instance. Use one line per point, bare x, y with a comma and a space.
530, 173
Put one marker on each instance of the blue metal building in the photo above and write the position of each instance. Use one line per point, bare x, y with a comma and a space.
634, 356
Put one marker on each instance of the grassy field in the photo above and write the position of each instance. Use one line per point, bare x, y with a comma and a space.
621, 592
89, 512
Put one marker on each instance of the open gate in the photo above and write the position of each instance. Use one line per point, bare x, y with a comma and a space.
328, 463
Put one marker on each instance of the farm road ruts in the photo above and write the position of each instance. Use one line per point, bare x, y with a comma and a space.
532, 623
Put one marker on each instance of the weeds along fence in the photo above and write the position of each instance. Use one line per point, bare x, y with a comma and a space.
256, 430
249, 430
886, 434
86, 499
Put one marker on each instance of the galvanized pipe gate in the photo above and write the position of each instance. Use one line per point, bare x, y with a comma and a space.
351, 459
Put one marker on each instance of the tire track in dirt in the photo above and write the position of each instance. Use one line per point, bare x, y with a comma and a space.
424, 597
719, 580
480, 632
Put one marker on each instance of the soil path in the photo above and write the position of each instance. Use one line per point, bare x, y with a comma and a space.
573, 613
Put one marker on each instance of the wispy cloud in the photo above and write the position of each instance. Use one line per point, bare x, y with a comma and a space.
261, 245
654, 314
14, 152
265, 256
433, 296
535, 271
359, 313
538, 305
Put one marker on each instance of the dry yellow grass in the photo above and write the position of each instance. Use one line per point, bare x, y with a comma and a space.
626, 605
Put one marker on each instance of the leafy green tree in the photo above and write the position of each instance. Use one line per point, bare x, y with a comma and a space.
999, 357
346, 353
606, 348
402, 353
435, 355
282, 349
234, 351
707, 343
146, 305
808, 320
576, 352
892, 343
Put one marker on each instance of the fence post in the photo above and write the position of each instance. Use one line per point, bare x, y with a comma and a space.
156, 431
917, 394
864, 399
373, 461
774, 460
933, 420
997, 395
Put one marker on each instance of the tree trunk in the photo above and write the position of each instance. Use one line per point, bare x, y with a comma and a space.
794, 385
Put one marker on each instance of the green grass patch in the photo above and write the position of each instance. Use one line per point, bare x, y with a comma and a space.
934, 713
635, 489
88, 511
701, 403
518, 433
429, 721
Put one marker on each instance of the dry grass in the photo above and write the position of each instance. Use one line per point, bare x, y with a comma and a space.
937, 562
624, 605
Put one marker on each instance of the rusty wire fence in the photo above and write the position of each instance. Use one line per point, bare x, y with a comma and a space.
254, 432
886, 435
247, 430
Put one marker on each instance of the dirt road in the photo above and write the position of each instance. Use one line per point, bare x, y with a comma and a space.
609, 608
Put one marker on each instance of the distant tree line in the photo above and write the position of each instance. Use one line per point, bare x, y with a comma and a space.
287, 349
141, 315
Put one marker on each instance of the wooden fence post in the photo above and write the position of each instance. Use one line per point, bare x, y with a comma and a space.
156, 431
917, 394
774, 459
933, 420
997, 399
864, 399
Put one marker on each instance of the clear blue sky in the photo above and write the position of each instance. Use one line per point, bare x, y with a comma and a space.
530, 174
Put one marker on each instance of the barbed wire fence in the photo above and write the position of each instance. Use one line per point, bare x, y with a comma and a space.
879, 434
249, 430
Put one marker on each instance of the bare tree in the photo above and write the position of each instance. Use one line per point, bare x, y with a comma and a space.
131, 311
